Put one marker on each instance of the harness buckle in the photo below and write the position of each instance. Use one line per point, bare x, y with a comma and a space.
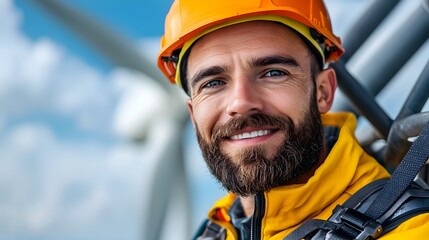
353, 225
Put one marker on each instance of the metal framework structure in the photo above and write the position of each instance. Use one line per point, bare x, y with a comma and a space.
409, 33
377, 62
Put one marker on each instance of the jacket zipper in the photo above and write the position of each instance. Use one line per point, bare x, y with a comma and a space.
258, 214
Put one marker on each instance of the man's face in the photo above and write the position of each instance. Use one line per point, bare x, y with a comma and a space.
254, 106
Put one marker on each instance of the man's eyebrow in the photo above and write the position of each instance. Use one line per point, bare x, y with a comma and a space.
206, 72
274, 59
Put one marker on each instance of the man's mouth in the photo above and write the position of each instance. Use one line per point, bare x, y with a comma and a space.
252, 134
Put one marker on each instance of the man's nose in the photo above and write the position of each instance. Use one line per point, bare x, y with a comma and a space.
245, 98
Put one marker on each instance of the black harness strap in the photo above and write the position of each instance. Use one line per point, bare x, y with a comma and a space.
210, 231
393, 201
349, 223
361, 196
415, 201
403, 176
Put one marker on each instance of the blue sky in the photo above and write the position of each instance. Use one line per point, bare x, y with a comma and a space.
134, 18
68, 167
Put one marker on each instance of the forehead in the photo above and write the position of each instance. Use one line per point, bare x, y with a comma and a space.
249, 38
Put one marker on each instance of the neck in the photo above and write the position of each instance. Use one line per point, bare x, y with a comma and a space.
248, 204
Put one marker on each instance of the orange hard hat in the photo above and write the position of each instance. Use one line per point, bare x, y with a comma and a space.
188, 20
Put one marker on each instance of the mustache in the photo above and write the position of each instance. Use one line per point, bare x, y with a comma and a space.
256, 120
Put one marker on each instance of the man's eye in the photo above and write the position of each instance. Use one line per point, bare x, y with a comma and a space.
274, 73
213, 83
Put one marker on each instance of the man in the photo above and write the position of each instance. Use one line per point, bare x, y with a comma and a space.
259, 93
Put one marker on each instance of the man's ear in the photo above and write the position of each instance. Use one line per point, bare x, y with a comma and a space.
191, 111
326, 83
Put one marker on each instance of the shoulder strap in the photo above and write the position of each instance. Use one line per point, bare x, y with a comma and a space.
391, 195
360, 197
210, 231
402, 177
414, 201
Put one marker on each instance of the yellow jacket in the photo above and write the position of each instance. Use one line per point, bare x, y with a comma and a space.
346, 169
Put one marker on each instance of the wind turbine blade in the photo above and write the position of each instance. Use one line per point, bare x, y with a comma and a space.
110, 44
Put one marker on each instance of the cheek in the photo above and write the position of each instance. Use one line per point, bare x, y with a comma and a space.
291, 103
205, 117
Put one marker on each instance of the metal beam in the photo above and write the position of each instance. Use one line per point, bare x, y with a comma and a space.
408, 123
371, 17
395, 49
399, 135
362, 100
388, 49
418, 95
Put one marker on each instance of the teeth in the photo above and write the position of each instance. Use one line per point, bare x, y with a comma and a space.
252, 134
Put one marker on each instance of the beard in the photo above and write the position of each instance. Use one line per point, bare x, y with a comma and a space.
252, 171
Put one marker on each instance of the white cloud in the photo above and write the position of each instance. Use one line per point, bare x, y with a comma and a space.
40, 76
37, 66
48, 183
